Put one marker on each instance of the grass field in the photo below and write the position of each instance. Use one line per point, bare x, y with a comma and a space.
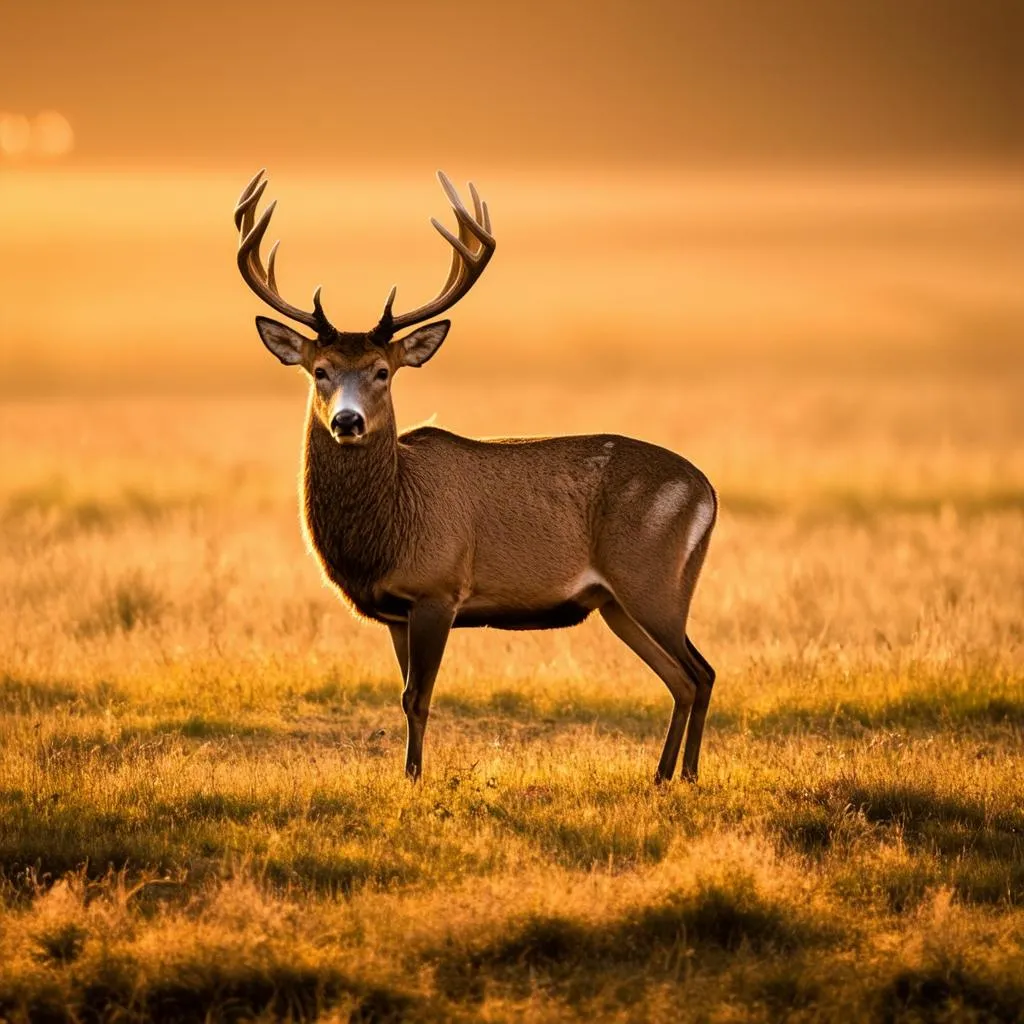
202, 807
203, 814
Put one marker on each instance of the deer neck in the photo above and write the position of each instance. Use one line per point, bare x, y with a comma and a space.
351, 504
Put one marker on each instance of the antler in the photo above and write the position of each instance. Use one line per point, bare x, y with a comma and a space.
471, 252
262, 282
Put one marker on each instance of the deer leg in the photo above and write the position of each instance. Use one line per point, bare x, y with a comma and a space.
671, 672
429, 625
695, 729
400, 640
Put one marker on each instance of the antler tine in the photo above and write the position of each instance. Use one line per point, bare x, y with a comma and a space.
471, 251
271, 279
248, 220
456, 243
246, 212
247, 191
263, 281
478, 212
246, 194
254, 236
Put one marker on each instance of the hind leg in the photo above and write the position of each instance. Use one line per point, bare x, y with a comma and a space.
651, 571
659, 612
699, 712
668, 632
672, 674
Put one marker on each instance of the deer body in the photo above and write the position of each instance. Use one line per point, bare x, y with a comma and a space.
515, 534
428, 531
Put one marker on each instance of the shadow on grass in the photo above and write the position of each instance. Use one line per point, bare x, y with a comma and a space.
29, 696
658, 939
214, 991
508, 704
201, 727
339, 874
914, 712
275, 810
49, 854
373, 693
977, 851
593, 844
631, 718
326, 844
919, 810
954, 992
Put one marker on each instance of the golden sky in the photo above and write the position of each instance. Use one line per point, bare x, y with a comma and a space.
401, 84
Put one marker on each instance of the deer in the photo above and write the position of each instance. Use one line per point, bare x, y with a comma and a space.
425, 530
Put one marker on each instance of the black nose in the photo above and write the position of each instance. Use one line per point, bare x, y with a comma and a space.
348, 423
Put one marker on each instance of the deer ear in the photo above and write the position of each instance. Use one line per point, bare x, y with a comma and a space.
418, 347
285, 343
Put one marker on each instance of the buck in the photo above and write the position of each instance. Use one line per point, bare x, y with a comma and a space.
426, 530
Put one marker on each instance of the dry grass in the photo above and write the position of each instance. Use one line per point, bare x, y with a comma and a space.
202, 811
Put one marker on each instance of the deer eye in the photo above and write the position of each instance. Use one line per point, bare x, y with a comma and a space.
382, 373
320, 373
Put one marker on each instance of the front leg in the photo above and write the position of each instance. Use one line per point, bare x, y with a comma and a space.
430, 621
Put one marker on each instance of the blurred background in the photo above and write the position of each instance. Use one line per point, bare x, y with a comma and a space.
677, 188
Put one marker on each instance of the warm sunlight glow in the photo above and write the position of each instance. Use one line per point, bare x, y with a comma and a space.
15, 135
48, 136
52, 135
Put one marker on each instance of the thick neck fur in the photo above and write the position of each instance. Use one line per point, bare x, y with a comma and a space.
352, 505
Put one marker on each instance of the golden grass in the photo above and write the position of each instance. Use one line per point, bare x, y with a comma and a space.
202, 808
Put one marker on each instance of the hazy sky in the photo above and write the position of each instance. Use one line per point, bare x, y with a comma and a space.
208, 84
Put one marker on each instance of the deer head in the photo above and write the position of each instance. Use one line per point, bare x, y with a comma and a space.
351, 371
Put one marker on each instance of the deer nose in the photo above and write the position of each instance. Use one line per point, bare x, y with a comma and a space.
348, 423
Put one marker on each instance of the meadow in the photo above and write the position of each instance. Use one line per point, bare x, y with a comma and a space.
203, 814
